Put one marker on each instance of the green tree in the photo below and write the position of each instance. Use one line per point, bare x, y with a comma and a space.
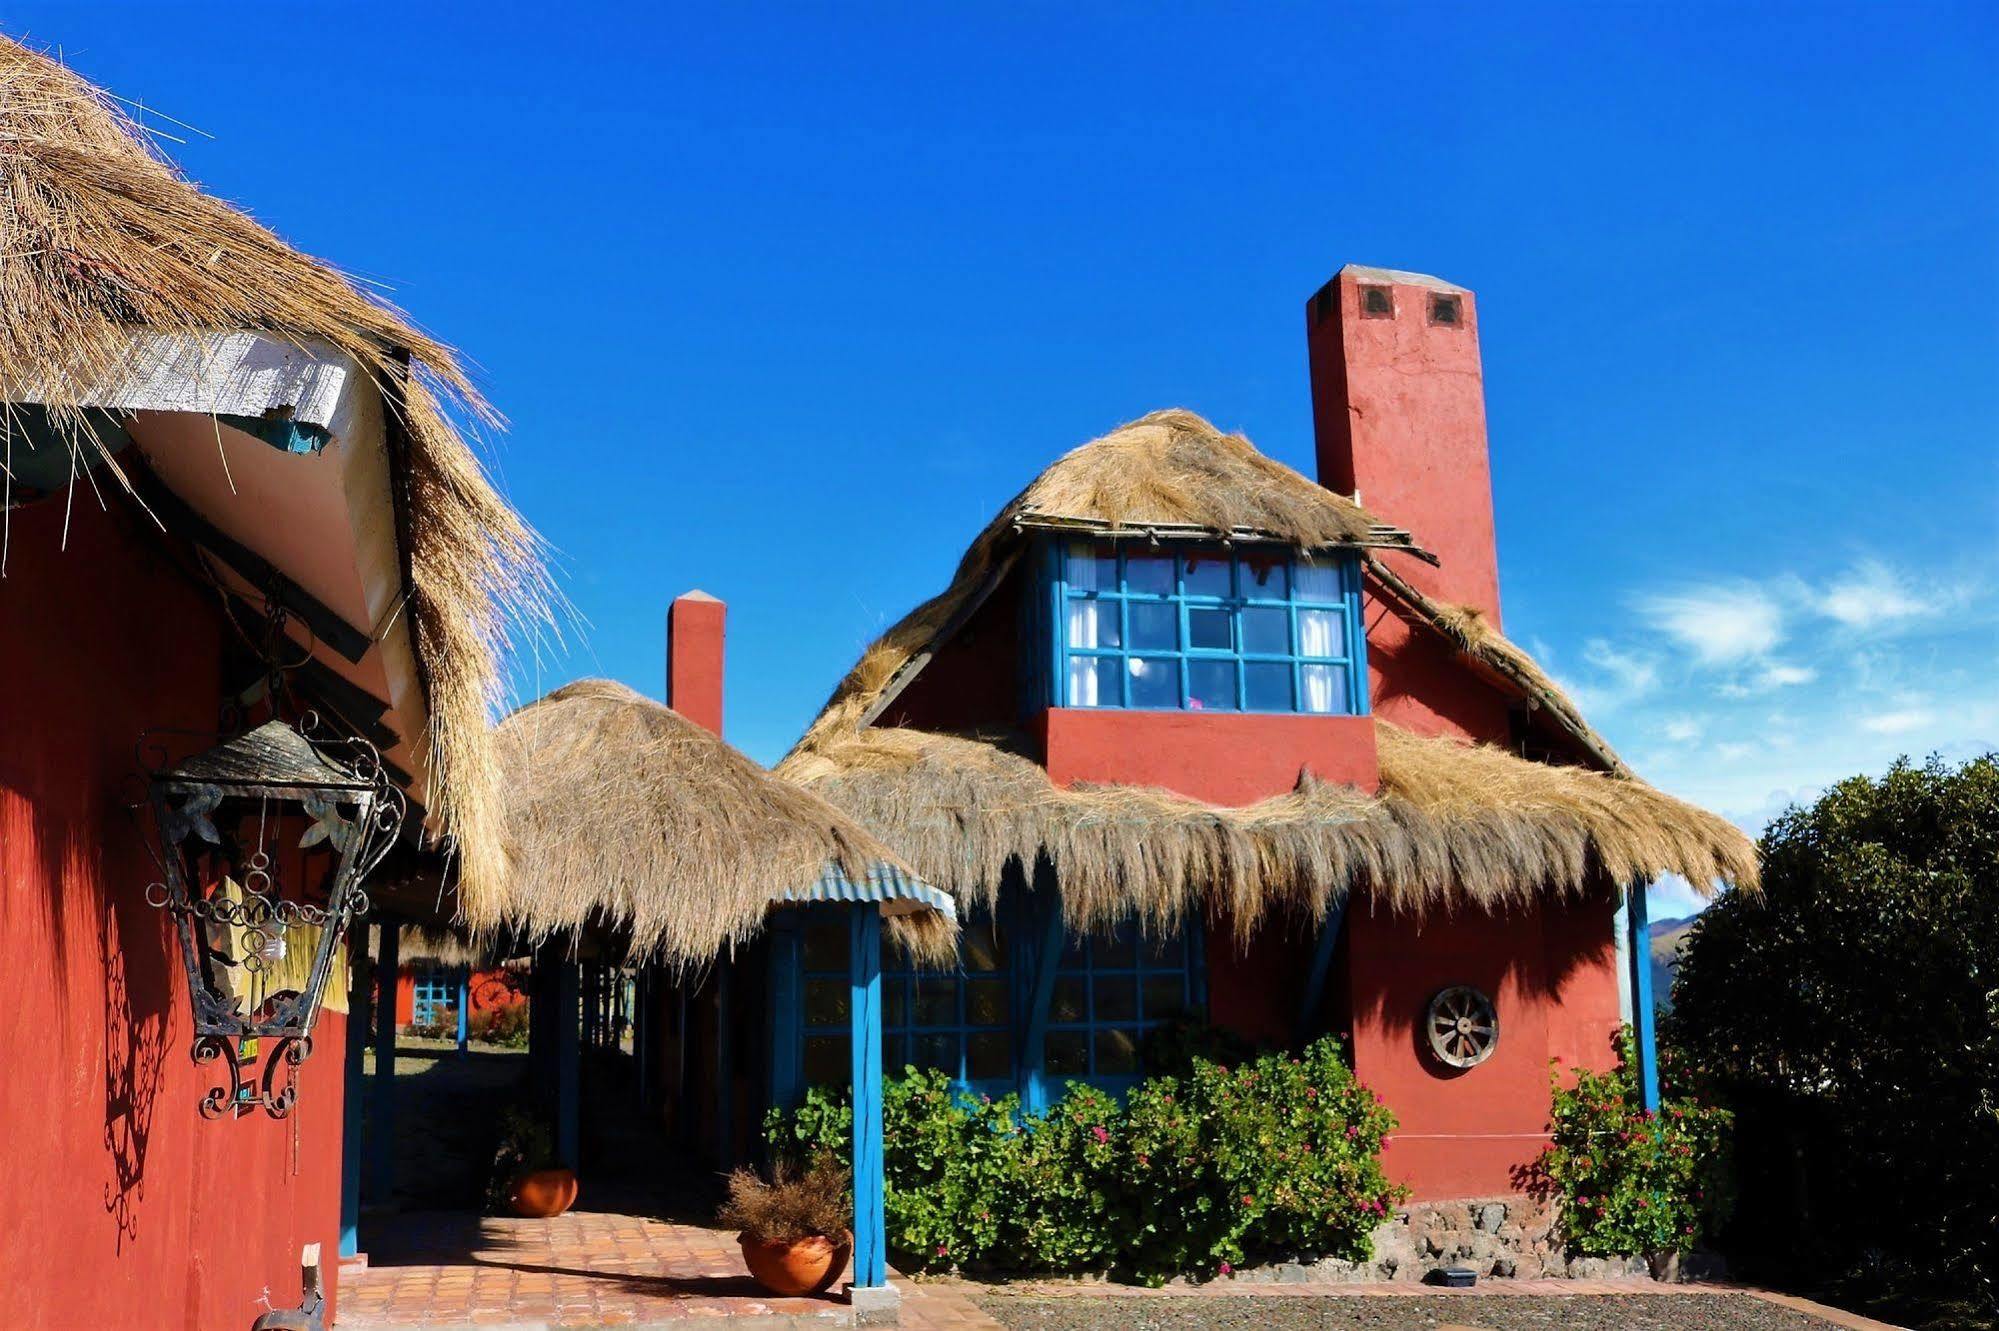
1849, 1014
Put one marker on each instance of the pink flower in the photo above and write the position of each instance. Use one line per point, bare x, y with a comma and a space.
943, 1250
1100, 1134
1227, 1269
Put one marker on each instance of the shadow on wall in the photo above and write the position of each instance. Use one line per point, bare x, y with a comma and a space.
135, 1053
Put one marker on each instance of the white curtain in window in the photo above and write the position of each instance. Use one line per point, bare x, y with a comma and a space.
1083, 677
1318, 683
1318, 633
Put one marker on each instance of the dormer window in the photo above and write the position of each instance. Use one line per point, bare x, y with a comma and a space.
1214, 629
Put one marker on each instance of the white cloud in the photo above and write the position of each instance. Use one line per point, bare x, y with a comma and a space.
1683, 729
1722, 624
1870, 595
1899, 722
1634, 675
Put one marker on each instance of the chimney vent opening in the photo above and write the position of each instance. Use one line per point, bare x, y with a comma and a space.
1377, 303
1446, 310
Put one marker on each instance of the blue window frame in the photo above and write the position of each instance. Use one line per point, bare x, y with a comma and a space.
1199, 628
971, 1021
435, 993
1109, 991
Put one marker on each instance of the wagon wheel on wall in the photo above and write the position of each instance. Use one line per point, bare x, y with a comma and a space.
1463, 1027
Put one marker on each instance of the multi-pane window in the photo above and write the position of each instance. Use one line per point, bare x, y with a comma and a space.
1252, 629
435, 993
959, 1020
1108, 992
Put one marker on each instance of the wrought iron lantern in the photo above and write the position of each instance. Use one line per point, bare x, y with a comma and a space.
261, 913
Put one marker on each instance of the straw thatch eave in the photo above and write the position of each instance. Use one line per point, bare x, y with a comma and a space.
107, 248
623, 814
1453, 826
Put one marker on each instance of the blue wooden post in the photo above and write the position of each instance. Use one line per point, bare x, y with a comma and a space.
354, 1088
1047, 956
568, 1057
785, 1014
464, 1008
865, 1009
1322, 968
382, 1103
1643, 1038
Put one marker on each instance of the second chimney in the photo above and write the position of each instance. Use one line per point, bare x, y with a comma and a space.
694, 645
1398, 409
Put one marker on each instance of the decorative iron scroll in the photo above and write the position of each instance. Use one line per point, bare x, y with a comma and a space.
219, 819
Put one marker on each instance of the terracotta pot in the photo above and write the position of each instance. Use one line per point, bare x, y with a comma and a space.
808, 1266
541, 1194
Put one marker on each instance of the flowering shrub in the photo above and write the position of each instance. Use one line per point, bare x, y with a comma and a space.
1190, 1174
1632, 1182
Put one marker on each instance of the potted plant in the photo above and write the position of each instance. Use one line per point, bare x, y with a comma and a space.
527, 1178
793, 1226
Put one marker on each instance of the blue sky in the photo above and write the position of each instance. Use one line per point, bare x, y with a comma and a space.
784, 302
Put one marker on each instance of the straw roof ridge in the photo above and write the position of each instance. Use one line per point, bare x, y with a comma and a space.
684, 842
1171, 470
1453, 825
106, 241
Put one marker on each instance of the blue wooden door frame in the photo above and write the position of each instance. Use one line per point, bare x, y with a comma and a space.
864, 957
382, 1096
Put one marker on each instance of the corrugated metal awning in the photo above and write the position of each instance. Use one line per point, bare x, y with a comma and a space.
897, 893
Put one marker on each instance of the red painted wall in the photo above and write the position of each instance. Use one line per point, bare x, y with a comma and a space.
1398, 407
121, 1206
695, 629
489, 989
1221, 758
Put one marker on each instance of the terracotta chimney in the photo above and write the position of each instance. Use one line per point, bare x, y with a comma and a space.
1398, 407
694, 645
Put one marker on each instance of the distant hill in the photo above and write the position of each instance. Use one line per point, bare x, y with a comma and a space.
1667, 935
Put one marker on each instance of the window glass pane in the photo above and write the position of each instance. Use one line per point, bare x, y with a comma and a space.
1321, 633
1210, 630
1318, 581
1090, 567
1119, 949
937, 1051
1068, 1004
1266, 630
1163, 951
826, 945
826, 1061
895, 1008
1066, 1054
1155, 681
1207, 575
936, 1001
1324, 688
980, 947
989, 1055
985, 1003
1092, 623
1117, 1052
1116, 998
1093, 682
1267, 685
1266, 576
1165, 996
1211, 685
1149, 574
1155, 626
825, 1002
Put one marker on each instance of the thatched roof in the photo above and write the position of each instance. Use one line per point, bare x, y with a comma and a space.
622, 813
1169, 476
1452, 824
107, 248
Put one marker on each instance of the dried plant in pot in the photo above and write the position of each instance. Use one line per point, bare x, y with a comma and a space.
793, 1225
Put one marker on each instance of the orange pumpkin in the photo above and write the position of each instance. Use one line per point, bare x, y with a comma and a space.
807, 1266
543, 1193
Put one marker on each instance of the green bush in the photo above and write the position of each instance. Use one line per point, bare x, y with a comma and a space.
1632, 1182
505, 1025
1189, 1175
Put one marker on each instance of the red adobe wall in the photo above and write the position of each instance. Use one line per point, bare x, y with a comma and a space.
121, 1205
488, 990
696, 628
1399, 412
1228, 758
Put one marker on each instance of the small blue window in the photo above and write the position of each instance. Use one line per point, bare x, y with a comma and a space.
435, 996
1109, 991
1248, 629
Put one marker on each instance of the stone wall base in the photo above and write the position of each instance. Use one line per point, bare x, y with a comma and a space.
1493, 1236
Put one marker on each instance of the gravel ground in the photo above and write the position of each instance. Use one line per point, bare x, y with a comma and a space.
1637, 1312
